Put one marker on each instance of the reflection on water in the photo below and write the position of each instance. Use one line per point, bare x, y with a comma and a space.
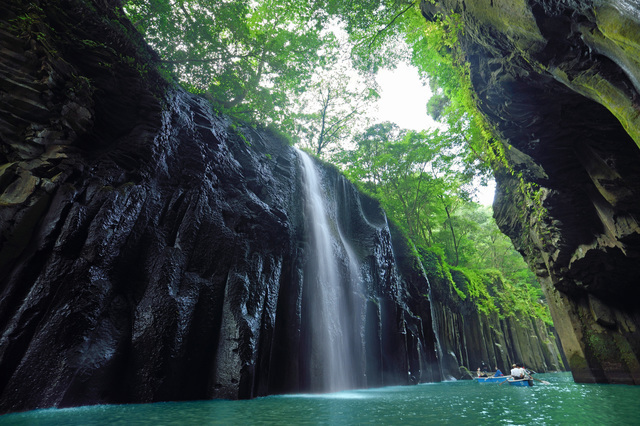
462, 403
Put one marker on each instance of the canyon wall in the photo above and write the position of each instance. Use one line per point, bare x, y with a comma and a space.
559, 83
486, 331
152, 249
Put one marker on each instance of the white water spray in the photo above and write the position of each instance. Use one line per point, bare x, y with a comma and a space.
332, 356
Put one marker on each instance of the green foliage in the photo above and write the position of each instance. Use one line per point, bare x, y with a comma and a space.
439, 274
473, 284
240, 133
436, 53
492, 293
421, 179
290, 65
331, 106
243, 55
376, 28
464, 232
269, 61
431, 258
424, 186
277, 134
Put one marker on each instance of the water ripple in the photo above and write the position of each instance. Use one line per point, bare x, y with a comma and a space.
461, 403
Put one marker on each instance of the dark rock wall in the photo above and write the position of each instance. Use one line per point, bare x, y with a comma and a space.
474, 338
153, 250
559, 83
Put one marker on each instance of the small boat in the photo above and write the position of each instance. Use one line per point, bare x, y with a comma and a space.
521, 382
498, 379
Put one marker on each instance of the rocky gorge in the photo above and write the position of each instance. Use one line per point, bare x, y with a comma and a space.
559, 84
152, 249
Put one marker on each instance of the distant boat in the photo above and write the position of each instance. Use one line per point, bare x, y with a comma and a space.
520, 382
491, 379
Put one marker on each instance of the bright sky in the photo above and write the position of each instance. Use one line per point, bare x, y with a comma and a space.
403, 100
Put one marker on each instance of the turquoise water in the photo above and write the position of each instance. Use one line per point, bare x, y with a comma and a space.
461, 403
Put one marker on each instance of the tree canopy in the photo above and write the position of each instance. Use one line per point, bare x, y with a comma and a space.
245, 56
292, 63
309, 68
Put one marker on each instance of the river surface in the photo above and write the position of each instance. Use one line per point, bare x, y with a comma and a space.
562, 402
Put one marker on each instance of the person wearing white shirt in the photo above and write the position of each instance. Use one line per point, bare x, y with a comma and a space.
517, 372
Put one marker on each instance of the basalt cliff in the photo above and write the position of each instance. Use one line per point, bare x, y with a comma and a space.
152, 249
559, 81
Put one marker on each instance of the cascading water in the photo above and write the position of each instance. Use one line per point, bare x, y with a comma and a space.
447, 361
435, 324
332, 343
436, 333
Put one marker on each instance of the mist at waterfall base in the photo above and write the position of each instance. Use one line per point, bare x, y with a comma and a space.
562, 402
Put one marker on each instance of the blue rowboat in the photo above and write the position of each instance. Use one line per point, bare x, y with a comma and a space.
521, 382
498, 379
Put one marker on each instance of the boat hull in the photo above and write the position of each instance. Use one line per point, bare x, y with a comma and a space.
491, 379
521, 382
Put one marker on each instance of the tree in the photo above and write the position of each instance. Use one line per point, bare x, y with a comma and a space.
377, 28
415, 175
292, 63
336, 101
275, 61
243, 55
491, 249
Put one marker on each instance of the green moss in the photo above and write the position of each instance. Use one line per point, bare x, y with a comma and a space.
602, 346
238, 131
591, 84
277, 134
578, 363
476, 285
439, 274
125, 188
433, 261
626, 352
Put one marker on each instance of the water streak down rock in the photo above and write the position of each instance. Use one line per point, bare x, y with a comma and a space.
153, 250
559, 81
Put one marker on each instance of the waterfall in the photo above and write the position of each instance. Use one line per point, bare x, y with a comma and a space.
333, 338
436, 332
435, 326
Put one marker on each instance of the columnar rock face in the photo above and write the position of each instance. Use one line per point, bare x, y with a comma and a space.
153, 250
475, 337
560, 83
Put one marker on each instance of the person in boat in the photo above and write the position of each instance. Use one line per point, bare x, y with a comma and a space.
498, 373
480, 373
517, 372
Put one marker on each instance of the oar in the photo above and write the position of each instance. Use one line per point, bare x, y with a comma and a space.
544, 382
502, 383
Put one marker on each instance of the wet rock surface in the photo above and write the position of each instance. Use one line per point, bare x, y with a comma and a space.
153, 250
474, 337
559, 81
